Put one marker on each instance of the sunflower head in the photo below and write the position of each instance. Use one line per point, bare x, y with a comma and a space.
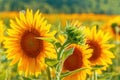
113, 27
99, 42
23, 46
74, 35
79, 59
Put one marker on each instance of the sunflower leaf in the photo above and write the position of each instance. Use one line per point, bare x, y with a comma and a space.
67, 53
51, 40
51, 62
71, 72
97, 67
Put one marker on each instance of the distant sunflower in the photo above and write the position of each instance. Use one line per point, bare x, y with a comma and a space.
1, 31
79, 59
110, 27
22, 45
98, 41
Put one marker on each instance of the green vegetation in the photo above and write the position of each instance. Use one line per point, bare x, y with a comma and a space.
63, 6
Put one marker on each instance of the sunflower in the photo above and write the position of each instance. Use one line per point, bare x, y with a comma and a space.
1, 31
98, 41
23, 46
112, 27
75, 23
79, 59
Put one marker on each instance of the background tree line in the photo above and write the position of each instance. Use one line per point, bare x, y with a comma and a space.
63, 6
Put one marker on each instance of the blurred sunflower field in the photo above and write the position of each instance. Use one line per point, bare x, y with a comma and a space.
59, 40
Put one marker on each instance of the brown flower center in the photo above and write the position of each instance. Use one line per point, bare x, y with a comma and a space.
96, 50
29, 44
74, 61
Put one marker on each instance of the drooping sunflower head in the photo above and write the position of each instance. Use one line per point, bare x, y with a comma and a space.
73, 31
98, 41
23, 46
79, 59
74, 35
113, 27
1, 31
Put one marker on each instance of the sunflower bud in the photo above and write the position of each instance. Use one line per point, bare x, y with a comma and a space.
74, 34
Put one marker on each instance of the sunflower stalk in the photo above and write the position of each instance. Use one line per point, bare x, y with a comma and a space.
75, 36
60, 53
49, 73
94, 75
59, 57
117, 30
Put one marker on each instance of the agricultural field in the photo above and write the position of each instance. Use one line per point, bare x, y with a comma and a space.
104, 30
59, 40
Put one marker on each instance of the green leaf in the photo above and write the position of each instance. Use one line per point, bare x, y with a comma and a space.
51, 62
51, 40
71, 72
67, 53
97, 67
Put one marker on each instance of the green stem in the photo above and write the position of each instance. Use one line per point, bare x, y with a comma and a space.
94, 75
60, 65
117, 48
60, 53
49, 74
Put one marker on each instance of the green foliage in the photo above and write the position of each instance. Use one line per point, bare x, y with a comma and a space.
71, 72
97, 67
51, 62
67, 53
74, 34
63, 6
51, 40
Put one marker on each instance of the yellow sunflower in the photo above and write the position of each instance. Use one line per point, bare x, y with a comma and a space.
98, 41
1, 31
111, 27
23, 46
79, 59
